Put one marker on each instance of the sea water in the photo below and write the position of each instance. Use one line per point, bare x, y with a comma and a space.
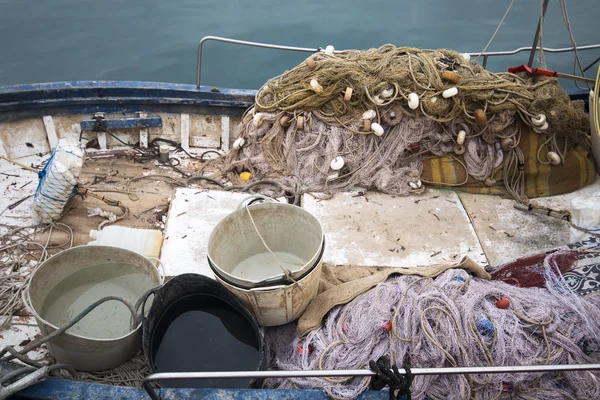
109, 320
264, 265
200, 333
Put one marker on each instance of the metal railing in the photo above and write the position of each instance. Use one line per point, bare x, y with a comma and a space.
485, 55
175, 376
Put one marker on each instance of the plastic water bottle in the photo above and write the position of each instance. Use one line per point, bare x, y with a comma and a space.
146, 242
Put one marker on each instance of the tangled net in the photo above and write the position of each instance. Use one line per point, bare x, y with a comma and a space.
327, 107
451, 321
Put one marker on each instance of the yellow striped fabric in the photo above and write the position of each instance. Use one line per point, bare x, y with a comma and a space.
576, 171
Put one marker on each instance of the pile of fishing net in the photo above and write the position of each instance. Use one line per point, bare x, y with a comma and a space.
368, 118
449, 321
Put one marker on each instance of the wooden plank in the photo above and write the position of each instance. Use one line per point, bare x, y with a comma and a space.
225, 133
144, 132
122, 123
102, 140
50, 131
185, 131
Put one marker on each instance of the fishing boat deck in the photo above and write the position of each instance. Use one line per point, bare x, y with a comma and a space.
362, 229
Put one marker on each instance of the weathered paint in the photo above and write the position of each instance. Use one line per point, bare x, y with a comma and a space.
50, 130
225, 133
205, 131
143, 132
24, 138
55, 389
122, 123
88, 97
185, 131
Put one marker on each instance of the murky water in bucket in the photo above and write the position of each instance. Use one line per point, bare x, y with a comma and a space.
264, 265
204, 333
77, 291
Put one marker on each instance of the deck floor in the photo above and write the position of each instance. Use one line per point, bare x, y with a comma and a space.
361, 230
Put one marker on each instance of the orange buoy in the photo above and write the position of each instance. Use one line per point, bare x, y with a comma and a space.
285, 121
388, 326
480, 117
300, 122
300, 348
348, 94
367, 125
503, 303
311, 63
245, 176
451, 76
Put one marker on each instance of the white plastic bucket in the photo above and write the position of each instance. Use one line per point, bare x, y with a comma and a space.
85, 353
288, 231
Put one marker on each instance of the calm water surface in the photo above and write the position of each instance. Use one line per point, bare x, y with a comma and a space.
60, 40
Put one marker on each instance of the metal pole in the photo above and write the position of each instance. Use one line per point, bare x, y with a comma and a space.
537, 33
243, 43
356, 372
591, 64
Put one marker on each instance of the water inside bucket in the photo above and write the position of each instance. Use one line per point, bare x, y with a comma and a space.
77, 291
264, 265
204, 333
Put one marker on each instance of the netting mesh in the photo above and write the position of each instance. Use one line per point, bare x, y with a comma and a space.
385, 110
452, 320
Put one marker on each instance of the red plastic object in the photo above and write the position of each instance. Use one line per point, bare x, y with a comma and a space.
503, 303
535, 71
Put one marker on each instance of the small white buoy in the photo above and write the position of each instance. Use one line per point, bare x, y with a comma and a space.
315, 86
337, 163
329, 50
460, 140
333, 176
434, 99
539, 120
387, 93
419, 184
449, 93
377, 129
369, 114
413, 101
413, 185
258, 118
239, 143
378, 100
544, 127
466, 56
553, 158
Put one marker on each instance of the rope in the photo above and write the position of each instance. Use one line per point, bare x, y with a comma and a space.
388, 375
576, 61
286, 272
497, 29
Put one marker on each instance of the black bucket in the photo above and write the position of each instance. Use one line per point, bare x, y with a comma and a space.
196, 325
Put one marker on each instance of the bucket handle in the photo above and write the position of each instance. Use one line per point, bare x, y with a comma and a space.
160, 267
254, 199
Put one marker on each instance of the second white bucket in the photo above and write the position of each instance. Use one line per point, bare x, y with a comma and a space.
244, 265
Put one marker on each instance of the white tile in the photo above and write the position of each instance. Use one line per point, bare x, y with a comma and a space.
193, 214
506, 233
381, 230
